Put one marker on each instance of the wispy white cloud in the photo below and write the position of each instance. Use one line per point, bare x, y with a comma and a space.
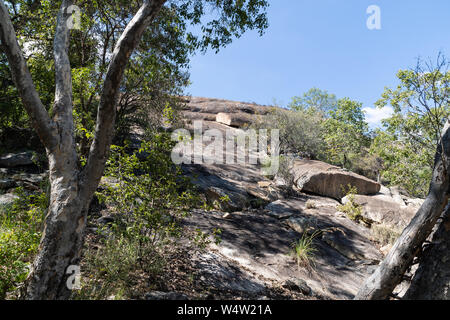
375, 115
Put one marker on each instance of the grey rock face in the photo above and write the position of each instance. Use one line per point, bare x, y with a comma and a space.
10, 160
6, 200
7, 183
280, 209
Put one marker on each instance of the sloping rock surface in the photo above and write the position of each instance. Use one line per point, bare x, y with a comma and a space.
264, 221
387, 210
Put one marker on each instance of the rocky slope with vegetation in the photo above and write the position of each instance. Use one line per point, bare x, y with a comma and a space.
312, 231
313, 238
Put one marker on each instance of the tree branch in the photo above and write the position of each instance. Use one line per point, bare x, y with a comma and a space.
63, 78
106, 114
40, 119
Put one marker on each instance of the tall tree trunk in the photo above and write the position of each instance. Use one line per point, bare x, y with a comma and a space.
62, 238
390, 272
432, 278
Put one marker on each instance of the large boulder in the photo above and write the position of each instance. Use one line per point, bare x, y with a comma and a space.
199, 116
385, 210
234, 119
327, 180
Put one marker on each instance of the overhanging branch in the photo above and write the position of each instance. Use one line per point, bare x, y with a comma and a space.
106, 114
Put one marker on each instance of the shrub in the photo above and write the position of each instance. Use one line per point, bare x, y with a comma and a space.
148, 197
351, 208
150, 193
114, 268
300, 131
20, 233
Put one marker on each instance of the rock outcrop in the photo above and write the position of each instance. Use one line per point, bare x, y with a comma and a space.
214, 106
234, 119
6, 200
230, 113
330, 181
390, 211
264, 220
260, 221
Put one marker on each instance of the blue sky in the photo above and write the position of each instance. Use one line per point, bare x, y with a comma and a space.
325, 44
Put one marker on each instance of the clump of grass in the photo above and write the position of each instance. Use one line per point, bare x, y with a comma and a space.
384, 234
303, 250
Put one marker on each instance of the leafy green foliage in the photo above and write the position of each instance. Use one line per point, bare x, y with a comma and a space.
149, 191
20, 233
409, 142
147, 196
346, 132
318, 126
114, 269
314, 100
351, 208
404, 164
230, 19
300, 131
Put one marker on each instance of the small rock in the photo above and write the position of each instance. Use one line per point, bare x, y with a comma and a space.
23, 178
299, 223
279, 209
226, 215
159, 295
6, 200
264, 184
7, 183
16, 159
299, 285
105, 220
